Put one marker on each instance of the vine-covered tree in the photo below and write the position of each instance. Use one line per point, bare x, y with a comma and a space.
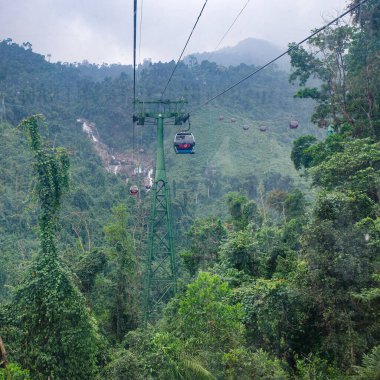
56, 335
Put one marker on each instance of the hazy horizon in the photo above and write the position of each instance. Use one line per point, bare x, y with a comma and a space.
73, 31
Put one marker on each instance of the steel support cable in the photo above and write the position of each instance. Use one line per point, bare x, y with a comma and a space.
134, 72
252, 123
350, 10
134, 48
231, 26
139, 130
183, 50
140, 34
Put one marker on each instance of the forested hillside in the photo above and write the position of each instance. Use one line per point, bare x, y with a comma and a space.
228, 158
277, 232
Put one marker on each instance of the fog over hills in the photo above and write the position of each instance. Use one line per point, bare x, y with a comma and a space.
250, 51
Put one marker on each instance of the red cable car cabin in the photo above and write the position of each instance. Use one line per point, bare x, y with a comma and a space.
133, 190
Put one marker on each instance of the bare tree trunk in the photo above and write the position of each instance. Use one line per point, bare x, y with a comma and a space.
262, 201
4, 359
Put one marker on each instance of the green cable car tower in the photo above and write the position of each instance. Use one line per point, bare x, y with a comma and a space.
161, 270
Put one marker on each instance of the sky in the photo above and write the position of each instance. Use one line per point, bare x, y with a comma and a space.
102, 31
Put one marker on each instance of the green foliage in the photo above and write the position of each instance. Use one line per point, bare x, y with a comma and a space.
156, 355
207, 319
89, 267
343, 208
242, 210
327, 62
203, 239
312, 367
123, 292
344, 58
300, 156
295, 205
271, 308
300, 283
370, 369
204, 322
57, 335
125, 365
240, 252
244, 365
355, 167
51, 170
14, 372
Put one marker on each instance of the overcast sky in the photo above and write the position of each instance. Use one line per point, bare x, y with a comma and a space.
102, 31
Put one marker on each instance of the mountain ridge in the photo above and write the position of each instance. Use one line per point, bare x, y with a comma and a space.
250, 51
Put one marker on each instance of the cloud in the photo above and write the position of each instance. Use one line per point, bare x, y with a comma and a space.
102, 31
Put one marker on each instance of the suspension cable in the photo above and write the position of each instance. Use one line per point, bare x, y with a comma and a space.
183, 50
134, 71
350, 10
134, 48
140, 34
139, 138
231, 26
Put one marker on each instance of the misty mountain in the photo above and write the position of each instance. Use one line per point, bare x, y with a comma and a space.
251, 51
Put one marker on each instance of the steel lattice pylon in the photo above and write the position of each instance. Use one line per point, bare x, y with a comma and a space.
161, 270
161, 274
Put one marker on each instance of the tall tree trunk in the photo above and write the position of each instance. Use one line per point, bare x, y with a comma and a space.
4, 359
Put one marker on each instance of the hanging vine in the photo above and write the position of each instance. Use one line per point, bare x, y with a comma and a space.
51, 166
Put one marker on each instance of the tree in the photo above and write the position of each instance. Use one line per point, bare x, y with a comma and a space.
58, 337
204, 239
370, 369
300, 156
327, 62
206, 320
123, 295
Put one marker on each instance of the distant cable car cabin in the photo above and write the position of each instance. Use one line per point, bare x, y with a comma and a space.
263, 128
184, 143
245, 127
133, 190
233, 120
221, 117
293, 124
147, 183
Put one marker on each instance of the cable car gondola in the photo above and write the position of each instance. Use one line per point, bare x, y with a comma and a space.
293, 124
221, 117
147, 183
133, 190
245, 127
263, 128
233, 120
184, 143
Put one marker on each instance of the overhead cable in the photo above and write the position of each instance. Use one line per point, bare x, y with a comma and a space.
231, 26
140, 34
350, 10
134, 47
183, 50
134, 73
